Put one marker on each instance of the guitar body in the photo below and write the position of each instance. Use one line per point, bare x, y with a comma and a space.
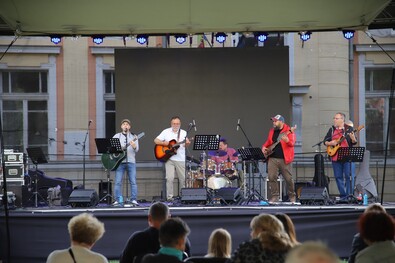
111, 161
270, 148
163, 153
332, 150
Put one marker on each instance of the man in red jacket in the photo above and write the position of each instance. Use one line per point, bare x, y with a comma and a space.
279, 149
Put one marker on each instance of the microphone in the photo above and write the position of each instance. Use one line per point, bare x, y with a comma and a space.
194, 124
238, 124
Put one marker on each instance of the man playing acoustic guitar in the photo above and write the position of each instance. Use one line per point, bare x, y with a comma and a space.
175, 163
279, 149
130, 144
340, 135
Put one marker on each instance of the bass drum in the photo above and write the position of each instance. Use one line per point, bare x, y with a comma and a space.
218, 181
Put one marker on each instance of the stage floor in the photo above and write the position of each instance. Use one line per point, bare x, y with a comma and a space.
35, 232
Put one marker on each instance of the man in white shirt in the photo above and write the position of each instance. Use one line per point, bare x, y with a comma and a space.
176, 163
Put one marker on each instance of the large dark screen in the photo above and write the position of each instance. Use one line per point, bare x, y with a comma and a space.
213, 86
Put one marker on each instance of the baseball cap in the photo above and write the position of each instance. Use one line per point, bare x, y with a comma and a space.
125, 120
278, 117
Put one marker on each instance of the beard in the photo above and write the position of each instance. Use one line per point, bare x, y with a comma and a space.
276, 128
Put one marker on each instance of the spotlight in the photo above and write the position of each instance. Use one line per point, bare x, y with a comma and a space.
56, 39
142, 39
220, 37
348, 34
180, 39
261, 36
304, 36
98, 39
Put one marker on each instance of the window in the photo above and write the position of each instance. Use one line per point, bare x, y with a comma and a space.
109, 100
377, 87
24, 109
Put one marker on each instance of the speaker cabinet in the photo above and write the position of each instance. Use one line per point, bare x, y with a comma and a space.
103, 191
314, 195
229, 194
193, 195
299, 186
83, 198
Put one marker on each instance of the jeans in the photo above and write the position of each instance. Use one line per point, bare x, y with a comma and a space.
341, 171
130, 169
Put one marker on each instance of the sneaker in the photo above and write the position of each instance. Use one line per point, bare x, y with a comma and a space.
274, 199
116, 203
134, 202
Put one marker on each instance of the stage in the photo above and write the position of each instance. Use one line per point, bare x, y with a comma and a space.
35, 232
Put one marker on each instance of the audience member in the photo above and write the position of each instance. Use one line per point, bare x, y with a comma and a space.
144, 242
85, 230
270, 242
219, 244
172, 237
358, 243
288, 227
311, 252
378, 230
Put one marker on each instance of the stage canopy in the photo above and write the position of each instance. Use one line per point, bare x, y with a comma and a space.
130, 17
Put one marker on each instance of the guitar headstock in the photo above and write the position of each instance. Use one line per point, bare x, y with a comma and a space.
360, 127
293, 128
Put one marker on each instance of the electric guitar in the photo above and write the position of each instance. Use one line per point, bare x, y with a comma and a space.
111, 161
331, 150
163, 153
269, 150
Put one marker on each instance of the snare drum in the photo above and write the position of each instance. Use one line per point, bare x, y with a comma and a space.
227, 167
218, 181
195, 180
210, 168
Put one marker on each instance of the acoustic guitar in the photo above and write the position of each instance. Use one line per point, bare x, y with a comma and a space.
269, 150
331, 150
163, 153
111, 161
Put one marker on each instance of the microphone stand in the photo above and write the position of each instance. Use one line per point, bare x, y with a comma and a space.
83, 154
190, 126
245, 135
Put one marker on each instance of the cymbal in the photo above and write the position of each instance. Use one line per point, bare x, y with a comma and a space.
217, 153
191, 159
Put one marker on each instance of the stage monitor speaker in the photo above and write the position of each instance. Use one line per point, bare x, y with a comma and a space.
314, 195
83, 198
229, 194
193, 195
299, 186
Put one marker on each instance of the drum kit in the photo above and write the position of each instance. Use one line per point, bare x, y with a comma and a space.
212, 174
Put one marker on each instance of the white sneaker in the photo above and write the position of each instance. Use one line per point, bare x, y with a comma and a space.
134, 202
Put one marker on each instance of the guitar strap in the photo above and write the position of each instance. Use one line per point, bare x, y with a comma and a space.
178, 135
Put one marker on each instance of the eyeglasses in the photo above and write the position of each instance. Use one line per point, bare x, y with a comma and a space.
336, 118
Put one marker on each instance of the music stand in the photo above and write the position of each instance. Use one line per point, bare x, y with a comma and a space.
37, 157
351, 155
251, 154
204, 143
107, 147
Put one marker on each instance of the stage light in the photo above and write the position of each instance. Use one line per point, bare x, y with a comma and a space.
98, 39
260, 36
304, 36
348, 34
142, 39
180, 39
56, 39
220, 37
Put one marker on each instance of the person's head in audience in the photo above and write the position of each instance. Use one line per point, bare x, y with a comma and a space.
219, 244
173, 233
376, 227
375, 208
288, 227
85, 230
311, 252
157, 214
270, 232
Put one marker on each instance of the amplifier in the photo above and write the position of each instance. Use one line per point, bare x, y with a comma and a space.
13, 157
